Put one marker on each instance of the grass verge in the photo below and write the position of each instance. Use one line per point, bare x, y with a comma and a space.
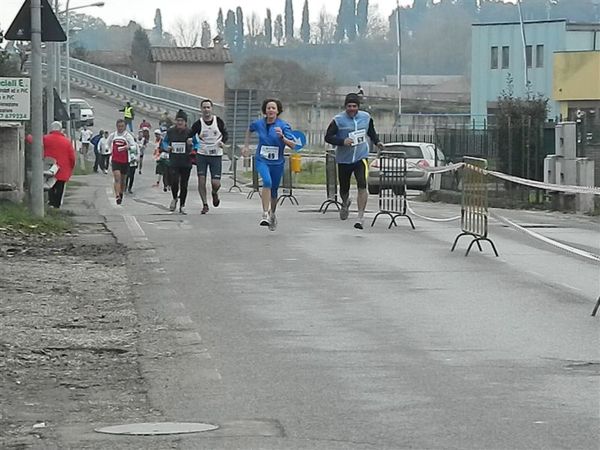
18, 217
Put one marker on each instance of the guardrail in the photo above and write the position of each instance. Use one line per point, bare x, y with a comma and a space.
152, 97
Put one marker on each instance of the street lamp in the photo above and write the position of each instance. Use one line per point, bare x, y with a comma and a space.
68, 90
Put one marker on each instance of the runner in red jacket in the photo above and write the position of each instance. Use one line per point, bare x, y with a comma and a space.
59, 147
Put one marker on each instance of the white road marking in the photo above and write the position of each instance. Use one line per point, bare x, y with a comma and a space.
568, 286
134, 226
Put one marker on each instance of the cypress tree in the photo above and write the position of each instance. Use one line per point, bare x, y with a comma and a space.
305, 27
289, 20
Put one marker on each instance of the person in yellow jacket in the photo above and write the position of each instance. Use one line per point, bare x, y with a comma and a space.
128, 115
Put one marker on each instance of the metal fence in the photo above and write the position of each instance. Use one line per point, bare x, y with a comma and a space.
330, 182
474, 204
392, 187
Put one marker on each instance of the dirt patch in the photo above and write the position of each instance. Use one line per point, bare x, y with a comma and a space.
68, 339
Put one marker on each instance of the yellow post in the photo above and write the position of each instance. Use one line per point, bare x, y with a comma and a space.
296, 162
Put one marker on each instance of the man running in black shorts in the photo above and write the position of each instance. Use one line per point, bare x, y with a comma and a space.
348, 131
211, 132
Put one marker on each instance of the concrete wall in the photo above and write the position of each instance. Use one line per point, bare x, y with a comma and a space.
577, 76
12, 161
206, 80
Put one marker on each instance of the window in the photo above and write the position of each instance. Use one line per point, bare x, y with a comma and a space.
539, 56
494, 60
529, 56
505, 57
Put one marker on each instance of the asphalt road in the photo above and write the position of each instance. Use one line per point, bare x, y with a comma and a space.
320, 336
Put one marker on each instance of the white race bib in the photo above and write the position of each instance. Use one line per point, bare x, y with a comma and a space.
358, 137
178, 147
269, 152
211, 150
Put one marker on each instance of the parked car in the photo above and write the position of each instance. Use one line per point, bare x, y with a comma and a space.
418, 156
83, 112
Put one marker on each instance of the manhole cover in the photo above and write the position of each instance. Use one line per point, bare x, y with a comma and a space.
153, 429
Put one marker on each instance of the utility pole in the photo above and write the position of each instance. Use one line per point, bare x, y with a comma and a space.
36, 189
399, 61
524, 40
68, 89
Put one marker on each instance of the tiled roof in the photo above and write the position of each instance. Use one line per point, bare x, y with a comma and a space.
216, 55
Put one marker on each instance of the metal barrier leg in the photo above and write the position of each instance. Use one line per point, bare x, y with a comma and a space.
596, 308
327, 203
457, 239
235, 185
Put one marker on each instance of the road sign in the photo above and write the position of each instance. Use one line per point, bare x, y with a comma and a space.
299, 139
20, 29
15, 98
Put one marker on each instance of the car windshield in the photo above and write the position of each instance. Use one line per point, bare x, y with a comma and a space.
410, 150
81, 103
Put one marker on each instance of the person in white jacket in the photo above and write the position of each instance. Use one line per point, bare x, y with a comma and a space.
104, 151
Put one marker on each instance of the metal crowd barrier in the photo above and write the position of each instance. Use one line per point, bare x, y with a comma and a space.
287, 183
255, 183
330, 182
474, 204
392, 187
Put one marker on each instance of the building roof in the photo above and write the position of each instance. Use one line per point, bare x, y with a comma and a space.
108, 58
213, 55
423, 80
571, 26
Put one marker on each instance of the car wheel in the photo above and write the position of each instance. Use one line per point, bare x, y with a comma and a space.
373, 189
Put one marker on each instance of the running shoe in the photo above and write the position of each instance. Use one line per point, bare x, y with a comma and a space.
345, 210
273, 222
264, 221
204, 209
216, 200
119, 199
173, 205
181, 210
358, 224
164, 189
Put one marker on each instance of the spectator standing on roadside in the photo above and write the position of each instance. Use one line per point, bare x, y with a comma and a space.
128, 115
59, 147
95, 141
104, 151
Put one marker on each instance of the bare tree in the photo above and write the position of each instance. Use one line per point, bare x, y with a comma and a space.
278, 29
188, 31
206, 38
325, 28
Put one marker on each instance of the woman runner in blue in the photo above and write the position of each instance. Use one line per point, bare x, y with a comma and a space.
274, 135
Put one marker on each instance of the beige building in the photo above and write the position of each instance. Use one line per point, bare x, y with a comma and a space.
197, 70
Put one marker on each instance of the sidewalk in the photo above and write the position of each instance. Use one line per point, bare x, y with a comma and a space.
68, 337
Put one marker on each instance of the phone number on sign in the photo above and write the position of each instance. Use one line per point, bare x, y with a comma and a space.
14, 116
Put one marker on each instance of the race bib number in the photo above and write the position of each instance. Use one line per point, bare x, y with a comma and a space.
178, 147
211, 150
269, 152
358, 137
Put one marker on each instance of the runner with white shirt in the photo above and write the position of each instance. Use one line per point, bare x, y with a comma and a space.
85, 139
211, 132
121, 143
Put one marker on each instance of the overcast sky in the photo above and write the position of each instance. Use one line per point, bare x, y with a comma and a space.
120, 12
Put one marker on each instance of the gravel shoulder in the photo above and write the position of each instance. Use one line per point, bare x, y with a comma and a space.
69, 335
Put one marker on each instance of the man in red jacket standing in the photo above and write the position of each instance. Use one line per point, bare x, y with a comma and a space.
59, 147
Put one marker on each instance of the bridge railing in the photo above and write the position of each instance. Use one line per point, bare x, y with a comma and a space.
150, 96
